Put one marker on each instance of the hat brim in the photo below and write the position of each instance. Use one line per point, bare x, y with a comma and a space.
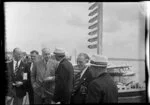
59, 54
98, 65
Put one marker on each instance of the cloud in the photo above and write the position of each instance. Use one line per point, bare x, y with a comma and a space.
111, 25
116, 14
66, 25
127, 42
122, 11
76, 21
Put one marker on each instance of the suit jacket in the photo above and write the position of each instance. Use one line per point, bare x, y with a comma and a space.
79, 96
64, 82
28, 83
12, 78
102, 90
39, 72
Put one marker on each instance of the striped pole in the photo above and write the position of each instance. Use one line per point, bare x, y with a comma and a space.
100, 27
96, 26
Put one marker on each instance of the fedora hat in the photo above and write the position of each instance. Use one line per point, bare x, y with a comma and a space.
99, 60
59, 51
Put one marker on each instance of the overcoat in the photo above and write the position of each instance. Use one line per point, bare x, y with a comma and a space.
102, 90
64, 82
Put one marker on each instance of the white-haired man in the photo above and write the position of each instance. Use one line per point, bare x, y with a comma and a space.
43, 78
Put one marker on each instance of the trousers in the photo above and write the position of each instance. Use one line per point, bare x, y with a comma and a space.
42, 100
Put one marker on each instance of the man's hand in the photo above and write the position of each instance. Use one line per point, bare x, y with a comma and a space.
19, 83
58, 103
52, 102
50, 78
13, 84
8, 98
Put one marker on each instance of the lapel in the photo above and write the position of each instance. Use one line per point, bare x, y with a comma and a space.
21, 67
21, 64
84, 77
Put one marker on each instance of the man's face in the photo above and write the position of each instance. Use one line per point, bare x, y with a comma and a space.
46, 55
17, 55
33, 57
81, 62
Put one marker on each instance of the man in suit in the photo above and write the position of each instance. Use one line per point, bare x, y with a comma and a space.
102, 89
17, 77
43, 78
34, 55
64, 78
81, 82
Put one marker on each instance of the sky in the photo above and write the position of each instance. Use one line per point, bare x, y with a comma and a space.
33, 26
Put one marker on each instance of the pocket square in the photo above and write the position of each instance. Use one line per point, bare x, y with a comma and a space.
24, 76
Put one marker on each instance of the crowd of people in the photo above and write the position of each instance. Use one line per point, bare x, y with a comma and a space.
53, 79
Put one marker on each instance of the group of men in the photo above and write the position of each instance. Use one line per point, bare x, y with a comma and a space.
54, 80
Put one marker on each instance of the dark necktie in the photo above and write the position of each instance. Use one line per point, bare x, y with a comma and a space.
16, 67
77, 81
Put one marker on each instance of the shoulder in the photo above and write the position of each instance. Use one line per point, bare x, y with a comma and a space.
99, 82
67, 64
106, 77
104, 81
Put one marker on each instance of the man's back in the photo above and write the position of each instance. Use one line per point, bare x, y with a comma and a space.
105, 90
64, 82
67, 66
